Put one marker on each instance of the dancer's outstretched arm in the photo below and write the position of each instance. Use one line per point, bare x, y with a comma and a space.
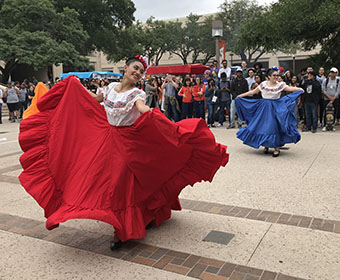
292, 89
142, 108
251, 92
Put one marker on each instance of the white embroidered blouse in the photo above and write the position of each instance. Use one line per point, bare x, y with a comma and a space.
269, 92
119, 107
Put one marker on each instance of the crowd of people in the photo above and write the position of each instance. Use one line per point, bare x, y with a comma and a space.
210, 96
18, 96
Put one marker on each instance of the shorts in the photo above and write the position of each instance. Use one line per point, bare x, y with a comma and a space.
13, 106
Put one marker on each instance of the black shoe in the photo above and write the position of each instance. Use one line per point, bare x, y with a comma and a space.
230, 126
276, 153
213, 125
116, 245
239, 125
149, 225
266, 150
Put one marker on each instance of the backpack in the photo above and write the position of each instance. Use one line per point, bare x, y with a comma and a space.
337, 83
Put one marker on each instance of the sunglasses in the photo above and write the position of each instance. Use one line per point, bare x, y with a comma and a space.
276, 75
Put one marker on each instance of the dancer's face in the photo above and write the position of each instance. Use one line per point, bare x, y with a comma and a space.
134, 72
274, 76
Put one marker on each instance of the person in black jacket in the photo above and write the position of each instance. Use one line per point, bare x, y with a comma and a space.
239, 85
311, 99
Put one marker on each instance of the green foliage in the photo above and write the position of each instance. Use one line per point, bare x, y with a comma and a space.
33, 33
104, 22
303, 22
235, 14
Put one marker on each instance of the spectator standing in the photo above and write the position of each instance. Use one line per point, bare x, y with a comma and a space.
287, 77
187, 102
225, 69
320, 78
244, 69
331, 92
198, 91
211, 95
30, 93
12, 95
214, 71
23, 98
311, 99
171, 106
238, 86
151, 93
179, 98
224, 99
251, 78
1, 102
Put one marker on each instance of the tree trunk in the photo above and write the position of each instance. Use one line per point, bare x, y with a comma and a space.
6, 72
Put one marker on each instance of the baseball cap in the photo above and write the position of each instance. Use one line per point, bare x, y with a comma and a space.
239, 69
333, 69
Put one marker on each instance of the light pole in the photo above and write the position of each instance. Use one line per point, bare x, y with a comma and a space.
293, 55
217, 32
231, 59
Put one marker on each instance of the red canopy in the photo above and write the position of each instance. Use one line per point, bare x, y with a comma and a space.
177, 69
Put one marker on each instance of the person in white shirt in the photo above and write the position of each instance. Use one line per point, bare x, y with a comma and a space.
225, 69
251, 78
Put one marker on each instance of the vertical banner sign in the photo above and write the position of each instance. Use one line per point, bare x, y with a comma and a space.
221, 51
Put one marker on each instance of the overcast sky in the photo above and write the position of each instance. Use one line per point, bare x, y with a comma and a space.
166, 9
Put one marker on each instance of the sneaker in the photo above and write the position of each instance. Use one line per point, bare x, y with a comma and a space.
219, 125
324, 129
12, 120
314, 131
334, 129
230, 126
239, 125
213, 125
305, 129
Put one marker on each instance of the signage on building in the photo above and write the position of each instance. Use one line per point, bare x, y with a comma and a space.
221, 51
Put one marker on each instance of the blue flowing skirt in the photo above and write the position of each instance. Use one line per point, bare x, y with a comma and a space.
270, 123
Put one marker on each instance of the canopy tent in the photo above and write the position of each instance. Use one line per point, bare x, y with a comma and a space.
89, 75
177, 69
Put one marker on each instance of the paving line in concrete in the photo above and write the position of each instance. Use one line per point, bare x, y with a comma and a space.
235, 211
161, 258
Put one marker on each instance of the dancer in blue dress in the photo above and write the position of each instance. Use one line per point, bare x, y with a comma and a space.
271, 121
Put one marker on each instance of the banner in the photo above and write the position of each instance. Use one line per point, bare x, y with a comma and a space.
221, 49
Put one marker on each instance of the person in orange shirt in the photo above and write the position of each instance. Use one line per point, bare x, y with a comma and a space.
198, 93
187, 104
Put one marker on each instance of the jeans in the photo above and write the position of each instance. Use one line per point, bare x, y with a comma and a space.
171, 112
311, 114
199, 109
211, 112
187, 110
22, 108
232, 114
224, 105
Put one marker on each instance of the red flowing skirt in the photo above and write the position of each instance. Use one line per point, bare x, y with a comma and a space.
78, 166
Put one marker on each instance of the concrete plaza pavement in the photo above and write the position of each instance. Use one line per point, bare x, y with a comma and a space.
283, 215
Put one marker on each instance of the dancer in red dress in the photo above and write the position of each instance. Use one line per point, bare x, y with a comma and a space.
120, 163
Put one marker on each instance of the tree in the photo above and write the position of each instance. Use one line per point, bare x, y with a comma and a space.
28, 35
234, 14
310, 23
104, 21
187, 39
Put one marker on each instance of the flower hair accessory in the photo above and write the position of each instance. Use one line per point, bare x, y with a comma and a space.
143, 60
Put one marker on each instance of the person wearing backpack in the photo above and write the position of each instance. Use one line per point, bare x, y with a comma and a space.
331, 92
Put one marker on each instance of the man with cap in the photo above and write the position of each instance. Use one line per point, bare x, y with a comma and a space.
238, 86
311, 99
331, 92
